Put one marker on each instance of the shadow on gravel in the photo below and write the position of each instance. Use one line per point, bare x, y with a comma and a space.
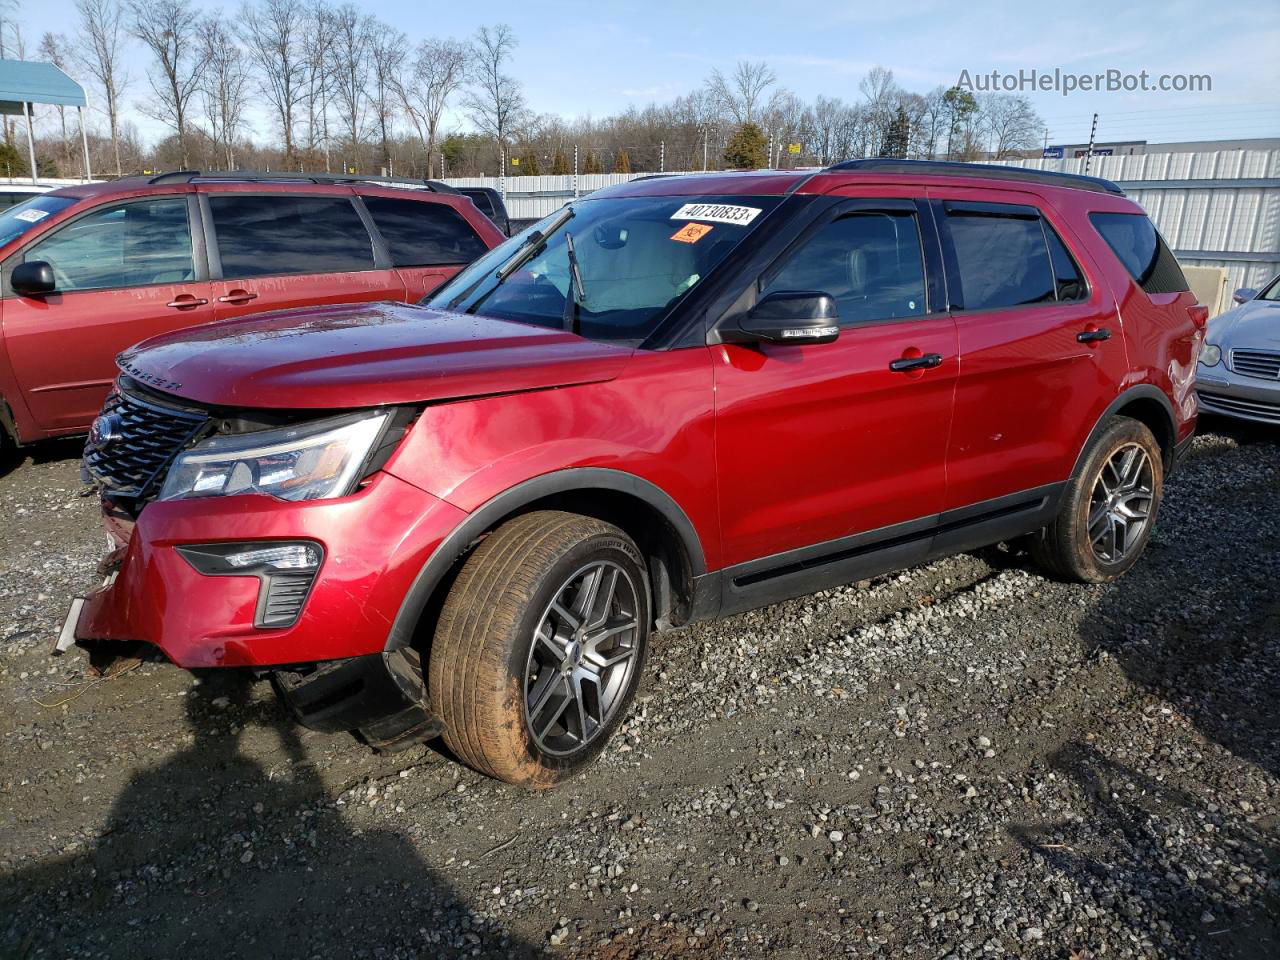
1196, 626
208, 855
1189, 912
49, 451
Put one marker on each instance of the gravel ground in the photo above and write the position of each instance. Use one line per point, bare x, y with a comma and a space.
962, 760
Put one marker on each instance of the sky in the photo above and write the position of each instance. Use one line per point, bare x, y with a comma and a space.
596, 58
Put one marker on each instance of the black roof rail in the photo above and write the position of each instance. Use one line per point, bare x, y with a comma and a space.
988, 171
253, 176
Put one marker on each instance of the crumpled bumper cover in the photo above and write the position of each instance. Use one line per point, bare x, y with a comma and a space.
374, 541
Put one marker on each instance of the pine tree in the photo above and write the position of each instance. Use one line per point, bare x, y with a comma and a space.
622, 162
559, 165
529, 164
591, 163
898, 136
747, 149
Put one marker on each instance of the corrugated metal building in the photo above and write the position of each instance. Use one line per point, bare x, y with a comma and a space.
1216, 208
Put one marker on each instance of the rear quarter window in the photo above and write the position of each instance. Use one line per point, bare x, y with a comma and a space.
1134, 240
420, 234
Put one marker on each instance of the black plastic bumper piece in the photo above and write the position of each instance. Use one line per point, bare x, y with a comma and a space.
380, 695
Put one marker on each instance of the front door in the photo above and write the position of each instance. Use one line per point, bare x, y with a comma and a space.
124, 272
818, 443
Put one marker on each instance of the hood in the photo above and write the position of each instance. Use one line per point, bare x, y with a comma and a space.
1255, 324
364, 355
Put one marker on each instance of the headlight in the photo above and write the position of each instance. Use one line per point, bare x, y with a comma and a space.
1210, 354
310, 461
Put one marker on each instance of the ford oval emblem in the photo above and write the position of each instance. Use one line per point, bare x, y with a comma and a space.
104, 429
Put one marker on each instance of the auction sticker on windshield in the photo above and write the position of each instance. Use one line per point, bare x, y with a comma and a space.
717, 213
691, 233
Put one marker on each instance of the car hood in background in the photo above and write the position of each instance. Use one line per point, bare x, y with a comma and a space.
1252, 324
365, 355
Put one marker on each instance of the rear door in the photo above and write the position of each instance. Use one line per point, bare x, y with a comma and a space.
426, 241
125, 271
1041, 352
300, 248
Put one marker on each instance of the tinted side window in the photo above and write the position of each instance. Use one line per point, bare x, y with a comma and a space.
1066, 274
133, 244
870, 263
265, 236
1143, 252
1003, 260
423, 234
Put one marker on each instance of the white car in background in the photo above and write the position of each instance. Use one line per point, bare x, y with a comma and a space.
1239, 370
13, 192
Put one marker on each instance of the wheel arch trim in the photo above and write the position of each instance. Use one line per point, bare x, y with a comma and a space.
1142, 391
484, 517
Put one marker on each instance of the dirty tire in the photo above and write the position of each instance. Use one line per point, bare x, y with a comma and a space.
1064, 548
483, 640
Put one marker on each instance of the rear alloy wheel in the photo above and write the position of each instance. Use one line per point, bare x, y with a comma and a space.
1109, 508
540, 645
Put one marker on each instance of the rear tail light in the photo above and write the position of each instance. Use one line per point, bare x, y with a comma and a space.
1199, 315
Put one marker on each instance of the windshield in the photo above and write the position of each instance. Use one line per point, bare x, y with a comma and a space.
636, 258
18, 219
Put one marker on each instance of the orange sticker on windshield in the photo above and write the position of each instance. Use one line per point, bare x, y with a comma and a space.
691, 233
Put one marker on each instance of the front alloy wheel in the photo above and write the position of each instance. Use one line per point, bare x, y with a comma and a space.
540, 646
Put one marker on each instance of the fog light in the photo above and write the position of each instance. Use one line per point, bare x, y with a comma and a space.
285, 573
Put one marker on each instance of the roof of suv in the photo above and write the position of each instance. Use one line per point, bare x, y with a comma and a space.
777, 182
163, 181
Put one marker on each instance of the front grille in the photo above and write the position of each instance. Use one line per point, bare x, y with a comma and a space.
134, 441
1217, 403
1256, 363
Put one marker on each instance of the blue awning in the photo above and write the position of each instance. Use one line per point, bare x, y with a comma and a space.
26, 81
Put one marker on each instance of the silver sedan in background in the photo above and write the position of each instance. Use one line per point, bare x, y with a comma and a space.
1239, 371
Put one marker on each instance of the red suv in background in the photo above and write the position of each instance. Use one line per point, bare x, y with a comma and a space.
89, 270
675, 399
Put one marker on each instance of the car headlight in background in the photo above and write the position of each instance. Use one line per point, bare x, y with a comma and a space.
309, 461
1210, 354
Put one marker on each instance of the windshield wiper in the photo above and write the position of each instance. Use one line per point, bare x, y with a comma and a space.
527, 250
577, 292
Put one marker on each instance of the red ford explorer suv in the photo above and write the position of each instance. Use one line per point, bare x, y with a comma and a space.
89, 270
675, 399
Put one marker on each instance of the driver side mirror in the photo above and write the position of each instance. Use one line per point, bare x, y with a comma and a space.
32, 279
1244, 294
789, 316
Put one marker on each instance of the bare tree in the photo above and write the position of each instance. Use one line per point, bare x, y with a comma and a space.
55, 49
318, 57
226, 85
438, 70
743, 94
273, 33
352, 60
388, 51
495, 100
170, 29
101, 48
1011, 123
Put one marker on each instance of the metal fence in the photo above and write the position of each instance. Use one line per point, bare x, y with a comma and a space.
1215, 208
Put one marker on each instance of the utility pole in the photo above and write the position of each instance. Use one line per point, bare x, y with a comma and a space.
502, 175
769, 161
575, 171
706, 133
662, 156
1088, 154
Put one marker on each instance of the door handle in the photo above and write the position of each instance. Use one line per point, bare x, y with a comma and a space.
186, 300
907, 364
237, 296
1094, 336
